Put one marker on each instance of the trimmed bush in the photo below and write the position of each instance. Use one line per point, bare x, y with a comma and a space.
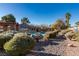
21, 43
51, 34
4, 37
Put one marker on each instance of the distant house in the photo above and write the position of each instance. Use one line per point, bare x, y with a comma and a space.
32, 27
4, 26
74, 28
23, 27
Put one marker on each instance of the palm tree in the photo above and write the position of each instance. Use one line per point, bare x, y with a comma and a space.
8, 18
25, 20
68, 15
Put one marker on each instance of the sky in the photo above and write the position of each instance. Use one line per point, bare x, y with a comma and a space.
41, 13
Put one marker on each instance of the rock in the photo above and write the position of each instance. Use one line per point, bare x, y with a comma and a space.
70, 45
73, 39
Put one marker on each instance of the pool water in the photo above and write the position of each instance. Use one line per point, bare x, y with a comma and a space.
33, 33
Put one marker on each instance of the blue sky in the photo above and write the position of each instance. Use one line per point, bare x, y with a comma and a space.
46, 13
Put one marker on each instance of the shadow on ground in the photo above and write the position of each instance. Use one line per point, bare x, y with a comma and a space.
39, 45
59, 38
41, 54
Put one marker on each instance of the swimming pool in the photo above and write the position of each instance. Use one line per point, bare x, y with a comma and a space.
33, 33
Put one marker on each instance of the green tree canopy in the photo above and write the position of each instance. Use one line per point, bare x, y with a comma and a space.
25, 20
68, 16
8, 18
59, 24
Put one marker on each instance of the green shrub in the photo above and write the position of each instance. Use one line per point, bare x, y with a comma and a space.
19, 44
51, 34
4, 38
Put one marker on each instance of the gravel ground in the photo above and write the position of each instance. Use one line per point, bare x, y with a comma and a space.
72, 51
54, 47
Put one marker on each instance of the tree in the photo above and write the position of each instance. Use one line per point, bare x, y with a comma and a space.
8, 18
53, 27
68, 15
25, 20
59, 24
